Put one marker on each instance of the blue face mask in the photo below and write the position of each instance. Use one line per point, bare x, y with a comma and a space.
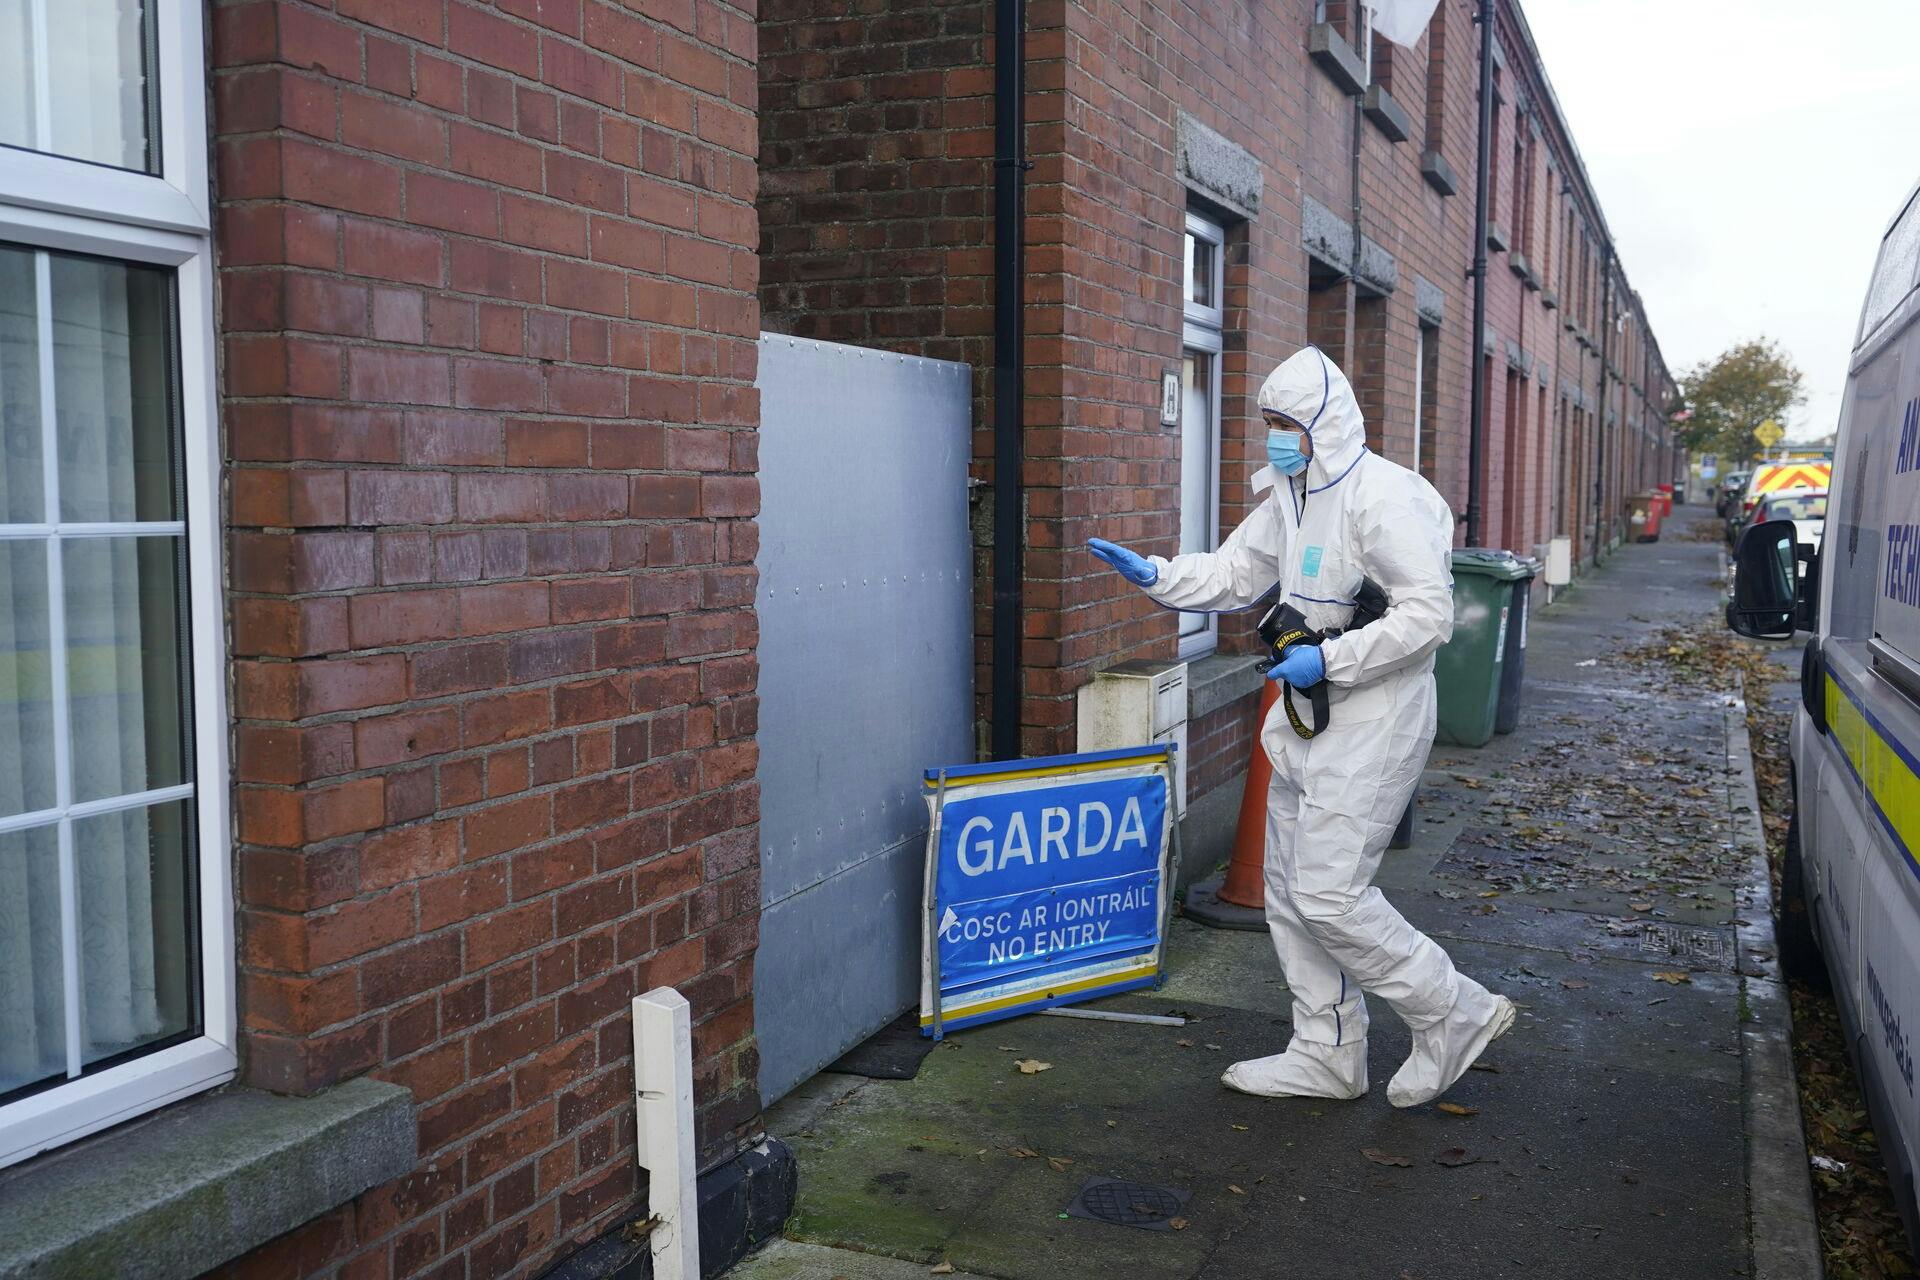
1283, 451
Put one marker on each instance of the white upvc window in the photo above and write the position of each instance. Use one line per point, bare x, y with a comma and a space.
1201, 344
1419, 392
116, 917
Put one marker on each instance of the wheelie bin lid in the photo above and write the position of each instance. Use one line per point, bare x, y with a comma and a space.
1491, 562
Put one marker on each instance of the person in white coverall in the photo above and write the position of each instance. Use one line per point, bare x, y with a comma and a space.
1333, 513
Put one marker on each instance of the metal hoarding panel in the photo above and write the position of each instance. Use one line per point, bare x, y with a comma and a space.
866, 672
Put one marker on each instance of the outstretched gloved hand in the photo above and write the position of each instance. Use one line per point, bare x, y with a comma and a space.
1134, 568
1300, 666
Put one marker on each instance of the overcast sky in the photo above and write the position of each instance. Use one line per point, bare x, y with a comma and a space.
1748, 155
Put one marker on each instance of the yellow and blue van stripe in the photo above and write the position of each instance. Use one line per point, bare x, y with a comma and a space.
1887, 771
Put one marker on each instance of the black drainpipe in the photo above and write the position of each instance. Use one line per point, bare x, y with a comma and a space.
1009, 366
1603, 471
1477, 415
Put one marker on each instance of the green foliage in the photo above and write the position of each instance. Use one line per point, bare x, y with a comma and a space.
1735, 392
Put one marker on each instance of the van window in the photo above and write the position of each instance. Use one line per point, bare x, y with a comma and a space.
1893, 275
1797, 506
1863, 455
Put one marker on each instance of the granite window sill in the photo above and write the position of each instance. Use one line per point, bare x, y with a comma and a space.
178, 1192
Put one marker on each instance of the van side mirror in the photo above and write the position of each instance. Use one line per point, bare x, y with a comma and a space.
1766, 582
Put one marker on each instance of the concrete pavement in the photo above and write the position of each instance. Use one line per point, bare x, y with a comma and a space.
1601, 866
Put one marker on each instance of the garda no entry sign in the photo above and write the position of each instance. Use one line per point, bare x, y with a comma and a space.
1047, 882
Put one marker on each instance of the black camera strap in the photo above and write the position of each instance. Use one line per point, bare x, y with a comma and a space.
1285, 626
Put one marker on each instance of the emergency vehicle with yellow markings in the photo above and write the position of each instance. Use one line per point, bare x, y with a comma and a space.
1850, 891
1769, 478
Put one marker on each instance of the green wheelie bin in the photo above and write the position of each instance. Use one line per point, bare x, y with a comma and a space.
1468, 668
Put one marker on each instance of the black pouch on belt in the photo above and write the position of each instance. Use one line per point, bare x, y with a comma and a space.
1285, 626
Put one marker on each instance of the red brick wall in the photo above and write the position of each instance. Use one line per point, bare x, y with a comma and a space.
876, 181
1218, 744
488, 316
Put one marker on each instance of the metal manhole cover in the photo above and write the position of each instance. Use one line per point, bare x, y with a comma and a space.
1128, 1204
1697, 944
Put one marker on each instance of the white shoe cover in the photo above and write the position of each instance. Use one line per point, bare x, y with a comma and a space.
1305, 1070
1443, 1052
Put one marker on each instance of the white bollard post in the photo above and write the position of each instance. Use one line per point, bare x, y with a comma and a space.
663, 1120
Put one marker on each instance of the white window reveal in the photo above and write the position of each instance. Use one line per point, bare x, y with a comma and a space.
116, 953
1200, 412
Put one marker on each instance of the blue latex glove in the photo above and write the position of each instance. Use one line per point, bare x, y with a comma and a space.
1300, 666
1135, 569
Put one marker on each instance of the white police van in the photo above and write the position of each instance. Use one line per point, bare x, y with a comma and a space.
1851, 886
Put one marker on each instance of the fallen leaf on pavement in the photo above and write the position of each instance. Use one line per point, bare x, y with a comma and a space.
1178, 1224
1236, 1190
1184, 1044
1025, 1153
1454, 1157
1455, 1109
1672, 977
1032, 1066
1058, 1163
1641, 906
944, 1269
1575, 984
1242, 1128
1378, 1156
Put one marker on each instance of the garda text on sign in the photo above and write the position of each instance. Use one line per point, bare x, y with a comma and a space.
1046, 883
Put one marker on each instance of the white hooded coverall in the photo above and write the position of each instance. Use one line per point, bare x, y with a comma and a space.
1337, 797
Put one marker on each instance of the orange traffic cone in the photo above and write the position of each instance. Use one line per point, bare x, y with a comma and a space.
1238, 900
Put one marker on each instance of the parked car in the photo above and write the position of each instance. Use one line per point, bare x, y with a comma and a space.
1730, 490
1777, 477
1850, 886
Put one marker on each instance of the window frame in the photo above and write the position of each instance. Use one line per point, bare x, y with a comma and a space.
1202, 332
1420, 358
77, 206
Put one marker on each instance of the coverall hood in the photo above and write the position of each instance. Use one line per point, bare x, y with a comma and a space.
1310, 389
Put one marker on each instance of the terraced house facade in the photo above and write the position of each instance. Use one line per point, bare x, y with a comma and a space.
380, 383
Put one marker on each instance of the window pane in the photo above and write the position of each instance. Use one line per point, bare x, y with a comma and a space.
1200, 258
133, 883
77, 86
126, 686
113, 381
1197, 465
23, 482
26, 683
33, 1036
1893, 274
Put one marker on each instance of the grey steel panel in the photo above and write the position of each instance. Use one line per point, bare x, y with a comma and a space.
836, 951
866, 677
